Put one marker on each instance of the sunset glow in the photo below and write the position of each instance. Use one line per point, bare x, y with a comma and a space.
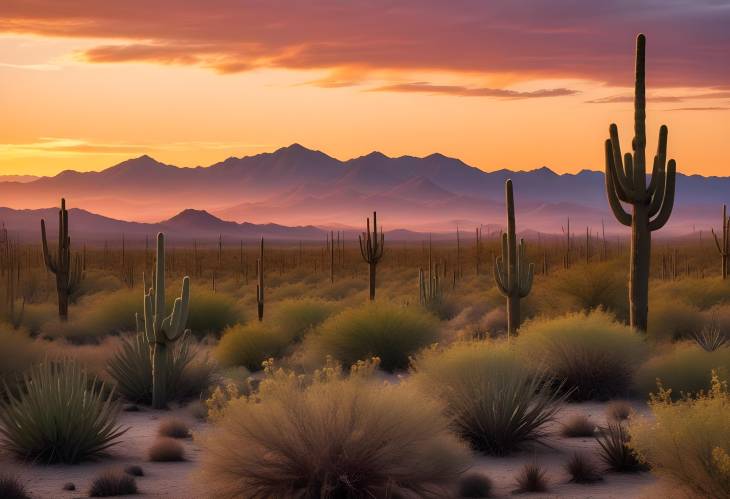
87, 84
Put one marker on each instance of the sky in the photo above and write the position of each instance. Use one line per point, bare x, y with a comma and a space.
516, 84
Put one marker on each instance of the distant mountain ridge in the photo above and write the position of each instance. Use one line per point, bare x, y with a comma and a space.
296, 186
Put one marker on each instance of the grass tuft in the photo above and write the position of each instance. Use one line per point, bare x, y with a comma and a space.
112, 483
578, 426
173, 428
582, 469
12, 488
615, 450
166, 449
531, 478
475, 485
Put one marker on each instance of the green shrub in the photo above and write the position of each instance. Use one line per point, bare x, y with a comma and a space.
131, 369
700, 293
211, 313
672, 320
249, 345
389, 332
61, 415
494, 401
594, 354
685, 367
688, 441
18, 351
333, 437
293, 318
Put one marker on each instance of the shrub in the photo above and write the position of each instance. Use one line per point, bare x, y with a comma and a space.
619, 410
249, 345
594, 354
111, 483
389, 332
686, 368
582, 469
531, 478
60, 415
494, 402
173, 428
17, 353
331, 437
578, 426
211, 313
131, 369
12, 488
475, 485
688, 441
615, 450
293, 318
710, 337
672, 319
166, 449
134, 470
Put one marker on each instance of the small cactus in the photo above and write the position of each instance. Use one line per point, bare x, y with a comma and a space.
429, 289
159, 330
512, 274
68, 271
371, 249
723, 246
260, 282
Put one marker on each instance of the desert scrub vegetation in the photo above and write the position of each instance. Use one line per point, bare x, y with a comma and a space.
249, 345
685, 367
60, 414
211, 313
327, 435
18, 352
166, 450
578, 426
131, 369
12, 488
673, 319
688, 441
294, 317
493, 401
594, 354
616, 449
112, 483
390, 332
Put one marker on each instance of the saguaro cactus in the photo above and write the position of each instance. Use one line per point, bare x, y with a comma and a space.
69, 273
161, 330
429, 289
260, 281
371, 248
651, 205
723, 246
512, 274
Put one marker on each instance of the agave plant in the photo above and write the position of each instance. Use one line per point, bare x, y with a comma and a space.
615, 450
59, 414
131, 368
710, 338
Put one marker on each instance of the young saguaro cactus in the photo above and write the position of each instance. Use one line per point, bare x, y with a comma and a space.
512, 274
723, 246
160, 330
260, 282
371, 249
626, 183
69, 273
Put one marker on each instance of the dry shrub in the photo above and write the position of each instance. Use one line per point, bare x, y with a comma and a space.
616, 449
700, 293
619, 410
18, 352
582, 468
493, 400
173, 428
331, 437
211, 313
294, 318
166, 449
112, 483
594, 354
475, 485
12, 488
531, 478
673, 319
384, 330
578, 426
249, 345
685, 367
688, 441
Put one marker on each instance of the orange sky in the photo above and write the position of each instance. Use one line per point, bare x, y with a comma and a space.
86, 84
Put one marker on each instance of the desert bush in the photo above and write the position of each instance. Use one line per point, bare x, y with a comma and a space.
293, 318
173, 428
18, 352
493, 401
688, 441
60, 415
12, 488
37, 315
331, 437
700, 293
131, 369
166, 449
594, 354
211, 313
582, 468
531, 478
619, 410
685, 367
134, 470
112, 483
673, 319
615, 449
475, 485
249, 345
389, 332
578, 426
711, 337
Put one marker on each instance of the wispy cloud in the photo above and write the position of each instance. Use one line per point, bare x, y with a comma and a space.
429, 88
708, 108
31, 67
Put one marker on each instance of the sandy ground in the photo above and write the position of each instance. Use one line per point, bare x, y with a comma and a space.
177, 480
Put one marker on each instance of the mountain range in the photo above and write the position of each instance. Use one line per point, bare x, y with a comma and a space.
297, 191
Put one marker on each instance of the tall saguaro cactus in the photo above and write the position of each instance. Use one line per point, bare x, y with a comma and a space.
161, 330
512, 274
626, 183
68, 271
260, 281
371, 248
723, 246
